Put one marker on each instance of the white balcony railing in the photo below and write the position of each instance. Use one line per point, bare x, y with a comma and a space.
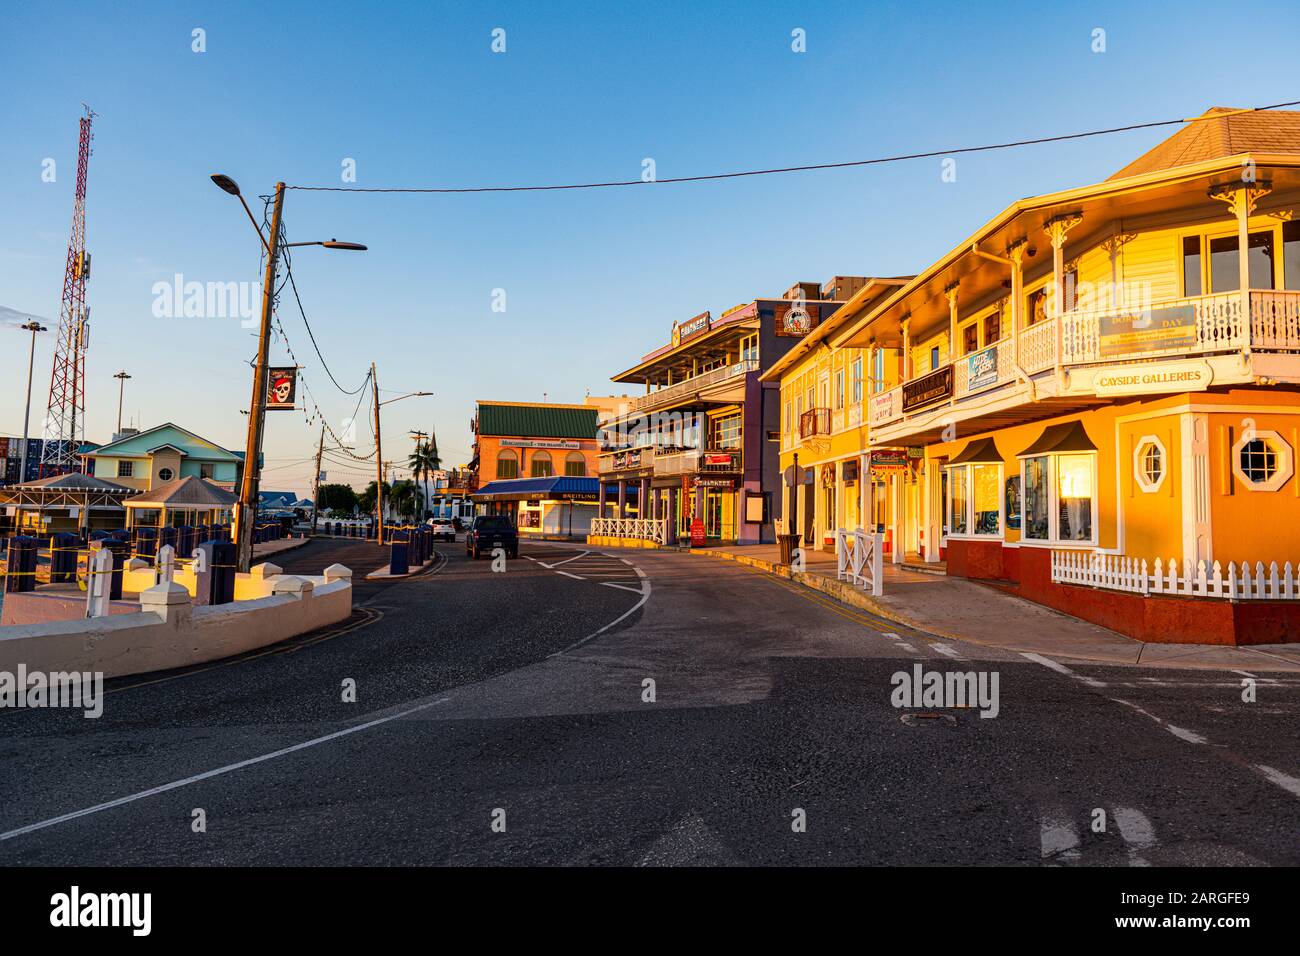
860, 561
691, 386
1117, 572
642, 529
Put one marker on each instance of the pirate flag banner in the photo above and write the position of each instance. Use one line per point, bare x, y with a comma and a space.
281, 388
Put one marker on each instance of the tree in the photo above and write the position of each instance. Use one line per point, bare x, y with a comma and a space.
366, 500
405, 498
423, 461
336, 497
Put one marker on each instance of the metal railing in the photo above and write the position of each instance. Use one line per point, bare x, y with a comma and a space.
815, 421
642, 529
860, 559
1117, 572
690, 386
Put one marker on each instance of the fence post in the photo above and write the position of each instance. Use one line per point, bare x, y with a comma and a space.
100, 573
166, 564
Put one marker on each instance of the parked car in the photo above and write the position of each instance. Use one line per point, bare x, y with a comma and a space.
442, 529
491, 531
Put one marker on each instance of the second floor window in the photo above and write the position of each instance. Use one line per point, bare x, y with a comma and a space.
207, 469
542, 465
726, 432
507, 465
992, 327
575, 465
934, 358
126, 469
839, 389
857, 379
970, 339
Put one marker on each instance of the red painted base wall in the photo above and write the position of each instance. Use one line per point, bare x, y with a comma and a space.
1157, 619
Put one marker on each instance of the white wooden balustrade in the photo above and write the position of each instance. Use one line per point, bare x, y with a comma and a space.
1117, 572
643, 529
860, 559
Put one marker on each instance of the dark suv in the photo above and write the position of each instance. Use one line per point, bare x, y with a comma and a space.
491, 531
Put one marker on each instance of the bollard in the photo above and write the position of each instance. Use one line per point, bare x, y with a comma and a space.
168, 537
370, 530
99, 581
119, 550
166, 564
399, 559
63, 558
202, 568
21, 574
146, 543
223, 572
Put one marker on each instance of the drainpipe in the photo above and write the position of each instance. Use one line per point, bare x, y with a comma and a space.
1016, 254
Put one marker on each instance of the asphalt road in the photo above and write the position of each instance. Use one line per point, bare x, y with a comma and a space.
522, 698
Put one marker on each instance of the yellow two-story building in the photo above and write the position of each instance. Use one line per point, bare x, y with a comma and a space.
1101, 377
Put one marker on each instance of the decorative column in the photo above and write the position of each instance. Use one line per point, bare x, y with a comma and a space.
950, 293
1016, 253
602, 494
643, 500
622, 498
1241, 197
905, 373
1056, 229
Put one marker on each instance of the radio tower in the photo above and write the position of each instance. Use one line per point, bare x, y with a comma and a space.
65, 417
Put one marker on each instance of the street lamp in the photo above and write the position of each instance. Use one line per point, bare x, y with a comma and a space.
121, 389
379, 454
33, 327
247, 509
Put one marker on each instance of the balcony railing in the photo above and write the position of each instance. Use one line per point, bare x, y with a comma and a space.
642, 529
691, 386
815, 421
676, 461
1200, 325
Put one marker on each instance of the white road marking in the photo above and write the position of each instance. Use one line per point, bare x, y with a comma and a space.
1062, 669
907, 647
1179, 732
209, 774
645, 596
1285, 781
575, 577
945, 649
1136, 831
1058, 838
565, 561
621, 587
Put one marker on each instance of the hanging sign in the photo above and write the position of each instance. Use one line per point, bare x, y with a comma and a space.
796, 318
684, 330
282, 387
1151, 331
982, 369
928, 388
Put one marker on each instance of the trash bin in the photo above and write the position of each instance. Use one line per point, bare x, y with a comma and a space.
788, 543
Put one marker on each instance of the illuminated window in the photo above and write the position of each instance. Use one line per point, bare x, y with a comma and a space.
1150, 463
1059, 497
1262, 460
1074, 495
975, 499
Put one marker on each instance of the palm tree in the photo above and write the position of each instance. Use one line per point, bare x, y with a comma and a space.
423, 461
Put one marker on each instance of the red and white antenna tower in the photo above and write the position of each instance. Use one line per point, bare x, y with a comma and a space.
65, 417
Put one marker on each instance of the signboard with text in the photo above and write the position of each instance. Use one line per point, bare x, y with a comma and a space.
693, 326
796, 318
982, 369
1150, 331
1190, 376
933, 387
282, 387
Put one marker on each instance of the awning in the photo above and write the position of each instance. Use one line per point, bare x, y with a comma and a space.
980, 451
556, 486
1065, 437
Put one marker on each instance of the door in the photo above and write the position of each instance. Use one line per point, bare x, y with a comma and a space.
712, 515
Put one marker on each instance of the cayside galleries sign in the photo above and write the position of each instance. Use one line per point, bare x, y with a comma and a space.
1191, 376
928, 388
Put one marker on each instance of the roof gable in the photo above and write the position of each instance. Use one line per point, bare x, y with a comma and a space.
1218, 132
182, 439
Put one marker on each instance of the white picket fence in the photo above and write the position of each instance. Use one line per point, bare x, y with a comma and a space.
860, 559
645, 529
1117, 572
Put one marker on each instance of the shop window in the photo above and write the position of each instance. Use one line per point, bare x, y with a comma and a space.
507, 465
1225, 268
1037, 499
541, 465
166, 474
1191, 265
1150, 463
575, 465
1060, 497
970, 339
1291, 254
975, 499
1262, 460
126, 469
958, 503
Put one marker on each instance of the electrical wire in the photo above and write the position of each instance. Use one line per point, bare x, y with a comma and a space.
288, 267
791, 169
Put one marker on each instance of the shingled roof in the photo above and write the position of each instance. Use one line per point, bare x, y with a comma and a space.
1222, 132
187, 492
520, 420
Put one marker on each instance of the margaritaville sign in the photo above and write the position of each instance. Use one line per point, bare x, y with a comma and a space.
1191, 376
1152, 331
928, 388
684, 330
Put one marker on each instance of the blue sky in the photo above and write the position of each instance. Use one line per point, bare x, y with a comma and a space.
593, 279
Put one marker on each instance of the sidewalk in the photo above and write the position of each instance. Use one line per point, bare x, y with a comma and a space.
964, 610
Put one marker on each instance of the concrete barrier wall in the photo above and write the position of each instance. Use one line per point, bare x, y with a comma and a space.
169, 631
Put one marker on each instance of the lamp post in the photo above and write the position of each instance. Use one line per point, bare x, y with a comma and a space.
379, 454
246, 510
32, 327
121, 389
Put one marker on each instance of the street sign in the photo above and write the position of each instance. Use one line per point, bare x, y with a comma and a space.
797, 475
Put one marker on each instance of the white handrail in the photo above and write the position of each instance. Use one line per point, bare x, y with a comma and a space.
642, 529
860, 560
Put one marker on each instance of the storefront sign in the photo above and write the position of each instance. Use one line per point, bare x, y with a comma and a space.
539, 443
883, 407
1192, 376
697, 533
889, 458
1150, 331
849, 471
716, 483
626, 460
928, 388
796, 318
684, 330
720, 461
982, 369
282, 384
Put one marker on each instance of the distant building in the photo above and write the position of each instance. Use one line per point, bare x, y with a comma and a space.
164, 453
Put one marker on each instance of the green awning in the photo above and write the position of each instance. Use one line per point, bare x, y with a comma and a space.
980, 451
1066, 437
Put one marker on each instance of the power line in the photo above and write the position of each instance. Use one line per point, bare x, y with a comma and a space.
929, 154
288, 267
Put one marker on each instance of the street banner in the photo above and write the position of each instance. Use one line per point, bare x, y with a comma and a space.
282, 388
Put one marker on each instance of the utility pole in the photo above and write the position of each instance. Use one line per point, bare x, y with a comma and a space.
315, 495
246, 512
32, 327
379, 463
121, 390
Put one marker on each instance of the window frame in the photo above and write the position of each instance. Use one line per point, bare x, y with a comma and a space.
968, 482
1140, 476
1281, 448
1054, 539
125, 468
510, 455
